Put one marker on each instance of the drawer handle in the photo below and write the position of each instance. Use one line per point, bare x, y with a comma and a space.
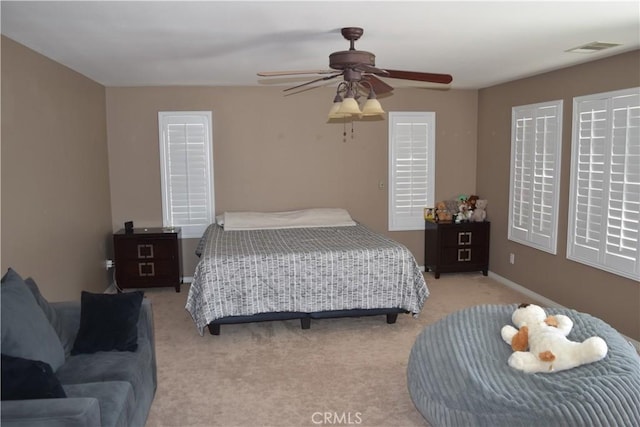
145, 251
146, 269
464, 255
464, 238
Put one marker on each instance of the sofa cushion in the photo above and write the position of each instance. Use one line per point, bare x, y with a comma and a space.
50, 312
108, 322
28, 379
135, 367
26, 332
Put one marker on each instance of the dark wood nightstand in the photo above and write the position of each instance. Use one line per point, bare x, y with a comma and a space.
451, 247
148, 257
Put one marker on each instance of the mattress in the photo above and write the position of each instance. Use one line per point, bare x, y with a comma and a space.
307, 270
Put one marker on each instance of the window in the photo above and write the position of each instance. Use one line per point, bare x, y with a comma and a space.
186, 164
411, 168
536, 144
604, 206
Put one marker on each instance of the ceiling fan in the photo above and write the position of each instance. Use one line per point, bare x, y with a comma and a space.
358, 67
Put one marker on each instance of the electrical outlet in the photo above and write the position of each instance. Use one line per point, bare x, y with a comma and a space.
108, 264
381, 185
512, 258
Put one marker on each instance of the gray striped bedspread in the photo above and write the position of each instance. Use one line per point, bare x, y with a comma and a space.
306, 270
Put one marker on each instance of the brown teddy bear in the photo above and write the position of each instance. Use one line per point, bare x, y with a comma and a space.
471, 201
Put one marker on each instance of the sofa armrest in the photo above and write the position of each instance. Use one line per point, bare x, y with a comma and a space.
67, 412
146, 328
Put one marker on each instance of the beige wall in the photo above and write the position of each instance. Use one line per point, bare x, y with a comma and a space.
608, 296
275, 152
56, 213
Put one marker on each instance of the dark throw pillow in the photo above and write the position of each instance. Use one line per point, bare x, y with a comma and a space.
108, 322
28, 379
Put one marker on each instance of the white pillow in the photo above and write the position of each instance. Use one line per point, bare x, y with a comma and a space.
306, 218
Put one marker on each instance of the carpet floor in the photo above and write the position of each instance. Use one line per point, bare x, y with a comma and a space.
348, 371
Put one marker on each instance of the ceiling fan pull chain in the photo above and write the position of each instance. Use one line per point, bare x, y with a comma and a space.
344, 130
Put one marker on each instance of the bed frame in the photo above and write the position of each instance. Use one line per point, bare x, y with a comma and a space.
305, 318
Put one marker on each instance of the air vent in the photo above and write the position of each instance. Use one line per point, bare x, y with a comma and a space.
592, 47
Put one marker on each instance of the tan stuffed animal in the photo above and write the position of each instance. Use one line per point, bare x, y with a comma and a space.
479, 213
545, 338
442, 213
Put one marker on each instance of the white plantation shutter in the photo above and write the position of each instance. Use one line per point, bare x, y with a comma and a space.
186, 171
604, 210
536, 146
411, 168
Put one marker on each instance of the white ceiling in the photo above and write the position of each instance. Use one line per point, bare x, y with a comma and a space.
480, 43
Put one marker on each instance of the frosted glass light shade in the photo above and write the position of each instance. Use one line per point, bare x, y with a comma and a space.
350, 107
333, 112
372, 108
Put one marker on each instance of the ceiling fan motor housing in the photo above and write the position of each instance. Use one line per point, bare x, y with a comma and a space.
350, 59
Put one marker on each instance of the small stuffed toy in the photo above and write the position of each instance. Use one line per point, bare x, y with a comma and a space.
451, 206
545, 338
480, 212
442, 213
464, 213
472, 201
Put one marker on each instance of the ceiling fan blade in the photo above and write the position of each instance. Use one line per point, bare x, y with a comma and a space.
421, 77
291, 73
379, 87
314, 81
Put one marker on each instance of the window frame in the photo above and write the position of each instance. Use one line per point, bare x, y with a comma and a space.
413, 220
533, 205
599, 257
166, 118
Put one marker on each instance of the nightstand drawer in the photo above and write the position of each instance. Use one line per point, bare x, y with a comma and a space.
147, 248
463, 236
468, 255
148, 272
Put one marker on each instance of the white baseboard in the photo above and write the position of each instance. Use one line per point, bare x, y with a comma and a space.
545, 301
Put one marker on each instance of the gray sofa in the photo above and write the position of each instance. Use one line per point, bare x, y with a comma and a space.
102, 388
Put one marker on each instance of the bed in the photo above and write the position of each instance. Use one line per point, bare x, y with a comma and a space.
303, 265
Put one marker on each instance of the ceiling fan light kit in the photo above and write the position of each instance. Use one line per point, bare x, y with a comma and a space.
360, 76
348, 107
